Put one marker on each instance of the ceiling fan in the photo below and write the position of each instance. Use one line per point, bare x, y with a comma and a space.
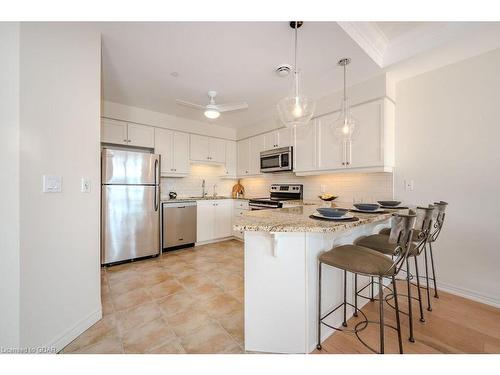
213, 110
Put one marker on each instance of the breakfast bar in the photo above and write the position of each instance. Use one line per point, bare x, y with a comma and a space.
281, 274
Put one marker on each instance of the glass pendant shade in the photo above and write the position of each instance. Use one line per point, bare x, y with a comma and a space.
295, 110
345, 126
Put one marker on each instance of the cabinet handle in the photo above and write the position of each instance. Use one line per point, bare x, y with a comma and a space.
125, 140
129, 140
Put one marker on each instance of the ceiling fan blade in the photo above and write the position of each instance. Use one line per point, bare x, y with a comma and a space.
189, 104
231, 106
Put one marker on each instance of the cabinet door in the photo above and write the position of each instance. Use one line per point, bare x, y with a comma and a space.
305, 147
217, 150
257, 144
223, 218
231, 159
163, 146
113, 131
285, 138
199, 148
271, 140
330, 149
181, 153
205, 221
366, 147
140, 135
243, 157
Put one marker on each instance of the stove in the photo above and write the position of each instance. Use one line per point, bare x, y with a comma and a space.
279, 193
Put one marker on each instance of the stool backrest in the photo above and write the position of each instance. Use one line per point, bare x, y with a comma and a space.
401, 234
440, 213
425, 218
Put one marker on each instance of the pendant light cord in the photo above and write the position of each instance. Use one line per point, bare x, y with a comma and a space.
295, 63
345, 66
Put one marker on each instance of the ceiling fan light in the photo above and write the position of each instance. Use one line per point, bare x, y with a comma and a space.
211, 114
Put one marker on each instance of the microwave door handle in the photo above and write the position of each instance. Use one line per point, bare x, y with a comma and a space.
280, 164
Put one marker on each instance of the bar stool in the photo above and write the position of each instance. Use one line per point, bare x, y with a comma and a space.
380, 242
371, 263
438, 225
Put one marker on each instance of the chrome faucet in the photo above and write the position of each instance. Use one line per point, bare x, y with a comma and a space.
203, 194
215, 190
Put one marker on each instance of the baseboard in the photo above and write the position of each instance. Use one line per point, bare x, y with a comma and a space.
72, 333
469, 294
214, 241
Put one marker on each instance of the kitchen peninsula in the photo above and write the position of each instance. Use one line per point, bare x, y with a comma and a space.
281, 274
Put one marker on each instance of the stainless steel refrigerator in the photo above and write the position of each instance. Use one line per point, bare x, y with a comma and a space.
130, 205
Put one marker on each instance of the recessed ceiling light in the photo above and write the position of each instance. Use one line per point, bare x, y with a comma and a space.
174, 74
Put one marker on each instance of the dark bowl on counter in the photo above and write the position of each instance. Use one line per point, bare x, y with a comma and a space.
389, 203
366, 206
332, 212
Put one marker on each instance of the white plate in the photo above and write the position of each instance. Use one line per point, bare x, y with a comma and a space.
343, 217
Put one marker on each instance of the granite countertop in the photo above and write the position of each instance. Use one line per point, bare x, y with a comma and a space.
296, 219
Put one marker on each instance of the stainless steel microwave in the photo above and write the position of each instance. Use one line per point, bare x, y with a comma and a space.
277, 160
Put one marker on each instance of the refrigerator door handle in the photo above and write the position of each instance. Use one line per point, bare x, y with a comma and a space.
156, 187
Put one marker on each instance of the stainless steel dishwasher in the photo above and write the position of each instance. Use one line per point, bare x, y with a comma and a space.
179, 224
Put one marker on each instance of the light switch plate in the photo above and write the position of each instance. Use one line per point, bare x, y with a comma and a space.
51, 184
408, 185
86, 185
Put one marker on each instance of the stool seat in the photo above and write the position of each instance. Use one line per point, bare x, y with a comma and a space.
380, 243
358, 259
414, 237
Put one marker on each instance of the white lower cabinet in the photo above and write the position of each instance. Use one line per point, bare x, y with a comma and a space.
240, 206
214, 219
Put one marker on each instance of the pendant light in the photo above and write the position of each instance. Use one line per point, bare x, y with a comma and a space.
345, 126
295, 109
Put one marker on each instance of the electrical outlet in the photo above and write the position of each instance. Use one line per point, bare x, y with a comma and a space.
51, 184
408, 185
86, 186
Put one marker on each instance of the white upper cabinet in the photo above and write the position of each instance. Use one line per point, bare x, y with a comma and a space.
257, 144
278, 138
113, 131
230, 170
123, 133
330, 149
243, 157
140, 135
174, 150
305, 148
207, 149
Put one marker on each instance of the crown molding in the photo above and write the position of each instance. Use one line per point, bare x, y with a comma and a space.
369, 37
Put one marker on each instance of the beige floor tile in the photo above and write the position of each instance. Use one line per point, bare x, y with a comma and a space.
147, 337
108, 345
105, 327
124, 274
137, 316
210, 338
230, 282
179, 302
107, 307
193, 281
118, 286
172, 347
239, 294
156, 277
234, 325
206, 291
189, 322
164, 289
133, 298
221, 305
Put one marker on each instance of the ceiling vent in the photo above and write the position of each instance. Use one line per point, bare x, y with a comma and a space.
283, 70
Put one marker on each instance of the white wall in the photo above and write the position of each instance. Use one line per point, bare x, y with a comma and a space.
447, 136
59, 134
9, 181
163, 120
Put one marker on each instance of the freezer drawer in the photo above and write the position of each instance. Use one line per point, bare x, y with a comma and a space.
130, 222
179, 224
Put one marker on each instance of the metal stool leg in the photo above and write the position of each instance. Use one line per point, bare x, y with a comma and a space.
381, 309
429, 308
419, 291
344, 323
410, 314
398, 323
318, 346
433, 272
355, 295
371, 290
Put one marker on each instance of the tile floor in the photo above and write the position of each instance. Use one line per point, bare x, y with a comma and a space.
187, 301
